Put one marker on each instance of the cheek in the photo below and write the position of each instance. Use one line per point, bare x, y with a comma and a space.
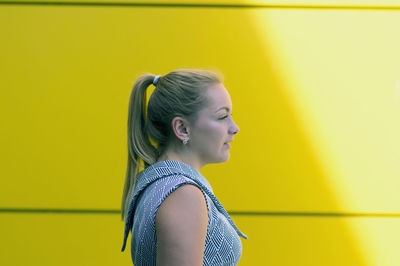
211, 134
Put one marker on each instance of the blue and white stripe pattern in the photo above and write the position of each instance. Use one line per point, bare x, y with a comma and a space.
154, 184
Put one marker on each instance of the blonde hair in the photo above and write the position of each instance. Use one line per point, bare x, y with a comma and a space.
179, 93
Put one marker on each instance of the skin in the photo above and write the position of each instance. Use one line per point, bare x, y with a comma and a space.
181, 220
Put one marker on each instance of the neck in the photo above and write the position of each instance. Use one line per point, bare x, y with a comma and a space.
186, 158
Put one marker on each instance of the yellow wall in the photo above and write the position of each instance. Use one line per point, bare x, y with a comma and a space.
314, 173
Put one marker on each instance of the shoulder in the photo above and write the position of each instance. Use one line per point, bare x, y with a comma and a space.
185, 199
169, 182
181, 226
170, 187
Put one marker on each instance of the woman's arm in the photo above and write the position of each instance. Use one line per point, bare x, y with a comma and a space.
181, 227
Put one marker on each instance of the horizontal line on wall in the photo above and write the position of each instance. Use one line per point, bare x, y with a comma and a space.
188, 5
67, 211
233, 213
315, 214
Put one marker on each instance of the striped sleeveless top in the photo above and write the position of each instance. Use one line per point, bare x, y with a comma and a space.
154, 184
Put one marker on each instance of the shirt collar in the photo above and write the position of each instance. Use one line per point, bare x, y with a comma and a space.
167, 168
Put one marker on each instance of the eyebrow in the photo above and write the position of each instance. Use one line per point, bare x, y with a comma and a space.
226, 108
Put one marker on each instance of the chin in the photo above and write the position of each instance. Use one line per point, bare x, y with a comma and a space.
225, 157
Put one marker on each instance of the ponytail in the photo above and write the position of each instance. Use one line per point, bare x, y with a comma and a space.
139, 147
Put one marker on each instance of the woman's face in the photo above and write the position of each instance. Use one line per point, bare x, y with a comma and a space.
214, 127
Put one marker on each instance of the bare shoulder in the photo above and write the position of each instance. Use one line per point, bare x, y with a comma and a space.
181, 227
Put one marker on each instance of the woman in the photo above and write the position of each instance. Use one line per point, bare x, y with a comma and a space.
169, 206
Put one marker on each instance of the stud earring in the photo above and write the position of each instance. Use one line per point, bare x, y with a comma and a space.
185, 140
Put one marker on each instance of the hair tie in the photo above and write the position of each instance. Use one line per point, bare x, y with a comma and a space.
155, 81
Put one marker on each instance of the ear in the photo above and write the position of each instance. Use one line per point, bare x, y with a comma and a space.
180, 126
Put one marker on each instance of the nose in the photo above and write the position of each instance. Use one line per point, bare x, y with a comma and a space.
234, 129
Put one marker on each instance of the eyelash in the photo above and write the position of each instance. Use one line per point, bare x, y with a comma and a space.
224, 117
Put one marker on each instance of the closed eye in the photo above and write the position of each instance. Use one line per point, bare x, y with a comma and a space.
222, 118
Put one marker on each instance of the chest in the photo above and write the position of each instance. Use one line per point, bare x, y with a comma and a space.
223, 245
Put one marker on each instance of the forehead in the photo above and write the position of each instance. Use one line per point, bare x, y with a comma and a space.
218, 97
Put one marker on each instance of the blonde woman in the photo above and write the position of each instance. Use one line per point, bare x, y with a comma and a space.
169, 206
